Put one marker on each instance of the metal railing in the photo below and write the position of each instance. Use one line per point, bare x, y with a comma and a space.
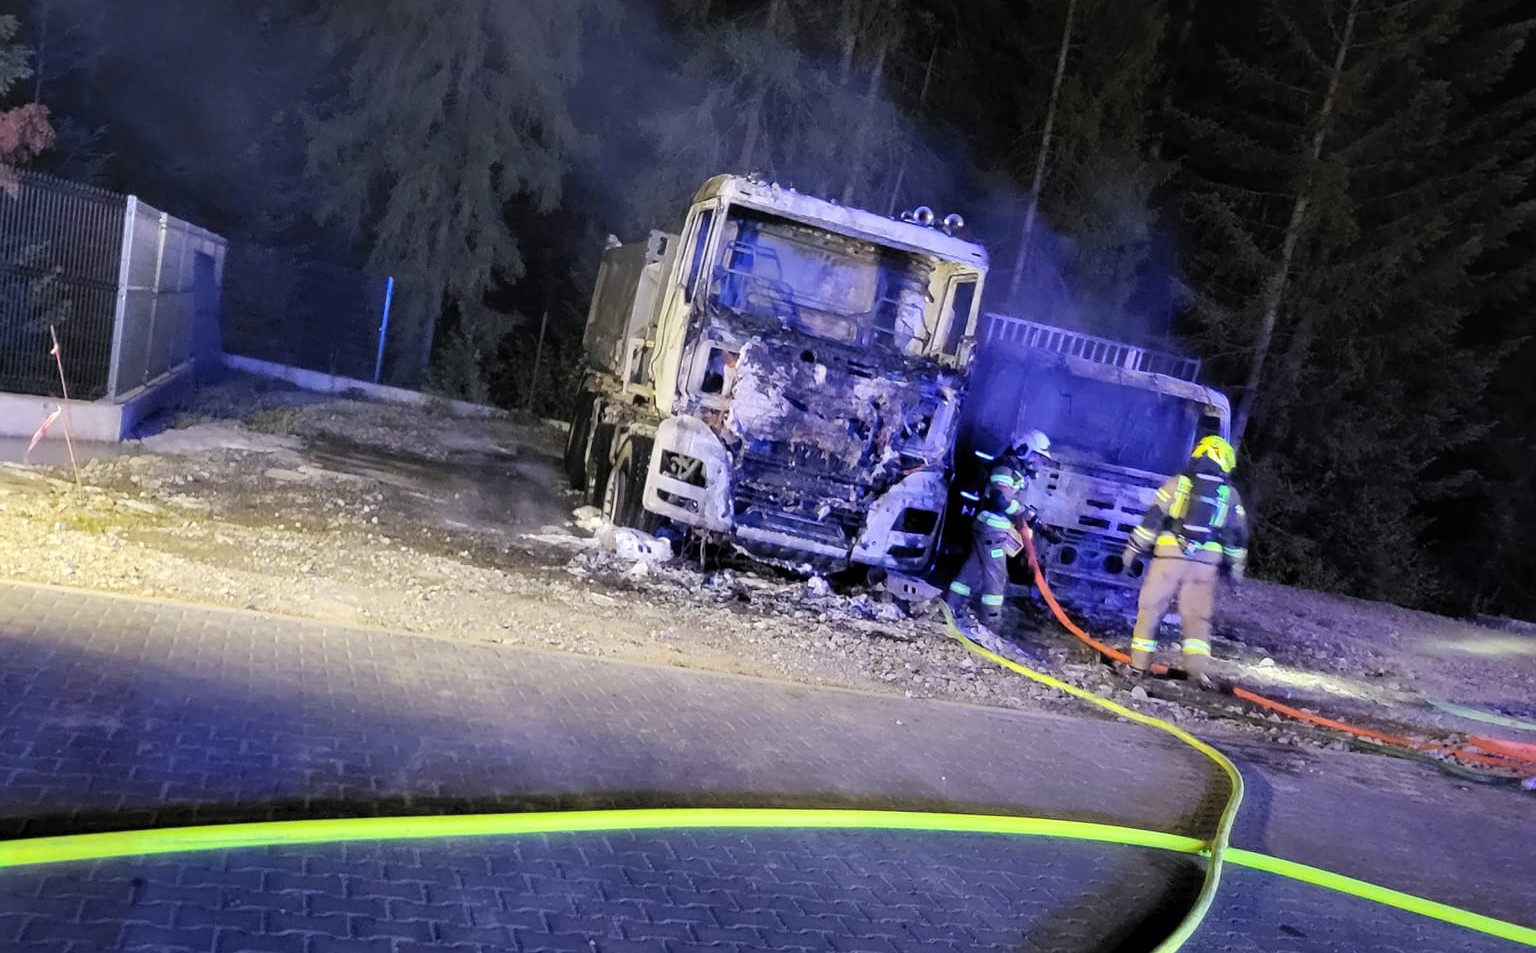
288, 306
285, 307
132, 292
1021, 332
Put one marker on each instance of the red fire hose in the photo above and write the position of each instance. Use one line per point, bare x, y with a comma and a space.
1517, 757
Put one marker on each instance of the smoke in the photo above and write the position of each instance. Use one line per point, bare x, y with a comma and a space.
1111, 271
204, 106
197, 106
675, 102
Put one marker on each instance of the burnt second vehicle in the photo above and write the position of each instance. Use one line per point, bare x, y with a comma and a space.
1121, 419
784, 376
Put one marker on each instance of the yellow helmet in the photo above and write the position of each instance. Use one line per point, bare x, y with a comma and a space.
1218, 450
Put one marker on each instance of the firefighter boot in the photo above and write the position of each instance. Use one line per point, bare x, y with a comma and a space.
1131, 673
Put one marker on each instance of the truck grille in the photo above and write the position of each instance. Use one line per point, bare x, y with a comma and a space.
1071, 500
808, 508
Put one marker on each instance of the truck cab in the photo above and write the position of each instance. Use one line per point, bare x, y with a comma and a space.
783, 375
1121, 418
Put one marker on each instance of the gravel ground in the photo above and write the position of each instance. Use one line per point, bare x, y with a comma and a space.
403, 518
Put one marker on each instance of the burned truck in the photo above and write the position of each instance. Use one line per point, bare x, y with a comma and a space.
783, 376
1121, 419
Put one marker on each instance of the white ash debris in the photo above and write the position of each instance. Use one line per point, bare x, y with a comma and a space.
639, 552
630, 545
558, 536
588, 519
625, 555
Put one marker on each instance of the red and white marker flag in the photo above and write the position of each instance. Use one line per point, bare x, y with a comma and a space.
42, 431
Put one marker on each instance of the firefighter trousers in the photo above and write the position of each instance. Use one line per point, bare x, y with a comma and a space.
1193, 585
984, 575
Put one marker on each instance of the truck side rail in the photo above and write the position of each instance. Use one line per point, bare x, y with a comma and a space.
1006, 329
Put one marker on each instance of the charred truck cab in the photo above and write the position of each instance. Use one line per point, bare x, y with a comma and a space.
1121, 419
784, 376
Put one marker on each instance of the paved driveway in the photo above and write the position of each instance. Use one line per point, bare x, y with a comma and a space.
122, 713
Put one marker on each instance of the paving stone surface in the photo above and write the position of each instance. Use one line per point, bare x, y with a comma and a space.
1257, 912
119, 710
117, 714
682, 892
658, 891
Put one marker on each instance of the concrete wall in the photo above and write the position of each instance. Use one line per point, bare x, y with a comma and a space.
22, 414
104, 421
98, 421
323, 383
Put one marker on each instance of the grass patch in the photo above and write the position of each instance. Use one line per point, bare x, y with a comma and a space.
95, 523
281, 421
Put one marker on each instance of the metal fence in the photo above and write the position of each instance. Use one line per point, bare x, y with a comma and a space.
288, 307
60, 253
168, 297
132, 292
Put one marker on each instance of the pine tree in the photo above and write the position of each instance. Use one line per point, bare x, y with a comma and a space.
70, 41
868, 34
1042, 153
799, 92
1092, 176
727, 107
450, 112
1486, 523
1101, 196
1341, 195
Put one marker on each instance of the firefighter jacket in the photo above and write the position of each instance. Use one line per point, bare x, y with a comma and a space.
1002, 505
1197, 515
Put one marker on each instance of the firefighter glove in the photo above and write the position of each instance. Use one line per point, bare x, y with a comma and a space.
1013, 544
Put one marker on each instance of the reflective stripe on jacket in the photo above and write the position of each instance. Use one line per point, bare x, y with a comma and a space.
1196, 515
1002, 504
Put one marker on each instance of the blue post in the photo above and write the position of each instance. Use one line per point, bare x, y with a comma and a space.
389, 296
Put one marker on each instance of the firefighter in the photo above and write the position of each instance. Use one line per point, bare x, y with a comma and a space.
1196, 531
1001, 520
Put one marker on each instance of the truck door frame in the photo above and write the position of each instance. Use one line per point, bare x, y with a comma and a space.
953, 345
682, 287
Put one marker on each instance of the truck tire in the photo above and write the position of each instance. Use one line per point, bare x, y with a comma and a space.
578, 442
624, 489
599, 460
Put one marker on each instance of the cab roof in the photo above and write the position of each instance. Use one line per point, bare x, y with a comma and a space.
842, 219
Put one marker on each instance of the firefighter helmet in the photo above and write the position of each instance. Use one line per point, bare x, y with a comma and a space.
1218, 451
1033, 441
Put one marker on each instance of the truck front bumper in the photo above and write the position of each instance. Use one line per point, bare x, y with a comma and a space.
690, 481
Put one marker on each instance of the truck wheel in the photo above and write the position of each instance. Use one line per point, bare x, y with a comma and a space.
599, 460
579, 441
625, 490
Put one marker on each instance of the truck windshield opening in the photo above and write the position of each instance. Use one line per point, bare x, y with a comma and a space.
1093, 421
823, 284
